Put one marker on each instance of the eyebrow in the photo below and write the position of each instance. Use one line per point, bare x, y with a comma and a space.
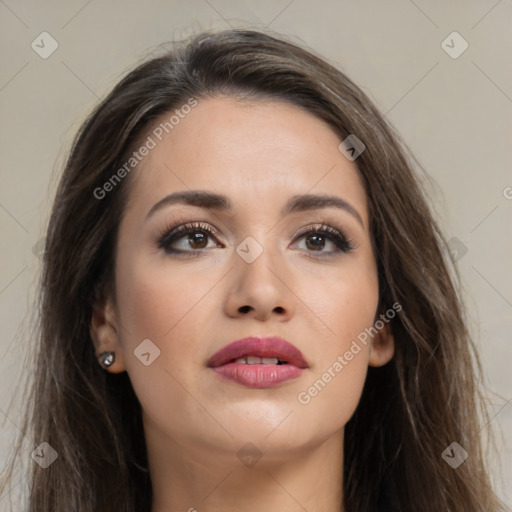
218, 202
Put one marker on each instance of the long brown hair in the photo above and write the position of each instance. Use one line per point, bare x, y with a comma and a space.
411, 409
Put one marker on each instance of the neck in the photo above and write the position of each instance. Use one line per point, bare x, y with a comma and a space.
199, 478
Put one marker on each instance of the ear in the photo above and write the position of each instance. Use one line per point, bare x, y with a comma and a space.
104, 331
382, 347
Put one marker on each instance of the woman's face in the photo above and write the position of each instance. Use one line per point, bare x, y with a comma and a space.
181, 300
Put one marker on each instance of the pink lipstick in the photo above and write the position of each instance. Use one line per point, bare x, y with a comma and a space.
258, 362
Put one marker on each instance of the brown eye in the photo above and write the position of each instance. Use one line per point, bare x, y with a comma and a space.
315, 242
198, 238
186, 239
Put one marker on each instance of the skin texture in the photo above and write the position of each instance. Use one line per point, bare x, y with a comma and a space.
259, 154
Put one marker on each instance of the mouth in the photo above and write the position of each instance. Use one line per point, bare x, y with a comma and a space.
258, 362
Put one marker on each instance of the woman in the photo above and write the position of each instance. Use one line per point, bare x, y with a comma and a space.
246, 303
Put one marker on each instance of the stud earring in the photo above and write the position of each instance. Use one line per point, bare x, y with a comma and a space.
107, 358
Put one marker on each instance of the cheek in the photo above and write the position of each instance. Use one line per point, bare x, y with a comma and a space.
328, 401
346, 305
341, 302
170, 308
156, 298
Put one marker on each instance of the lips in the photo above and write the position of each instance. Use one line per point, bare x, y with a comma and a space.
259, 347
258, 362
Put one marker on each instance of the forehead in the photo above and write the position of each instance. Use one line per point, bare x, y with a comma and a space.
257, 152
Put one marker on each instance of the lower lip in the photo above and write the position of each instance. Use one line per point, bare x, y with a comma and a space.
258, 376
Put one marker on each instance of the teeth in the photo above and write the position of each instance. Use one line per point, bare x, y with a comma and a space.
257, 360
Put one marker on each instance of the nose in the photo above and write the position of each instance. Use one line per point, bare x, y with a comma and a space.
261, 289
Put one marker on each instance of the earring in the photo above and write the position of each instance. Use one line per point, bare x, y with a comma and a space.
107, 358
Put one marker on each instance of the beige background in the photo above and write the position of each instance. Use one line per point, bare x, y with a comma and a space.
454, 113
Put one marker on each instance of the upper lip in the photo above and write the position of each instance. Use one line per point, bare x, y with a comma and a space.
260, 347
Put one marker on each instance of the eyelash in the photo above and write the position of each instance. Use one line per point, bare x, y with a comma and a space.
171, 234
